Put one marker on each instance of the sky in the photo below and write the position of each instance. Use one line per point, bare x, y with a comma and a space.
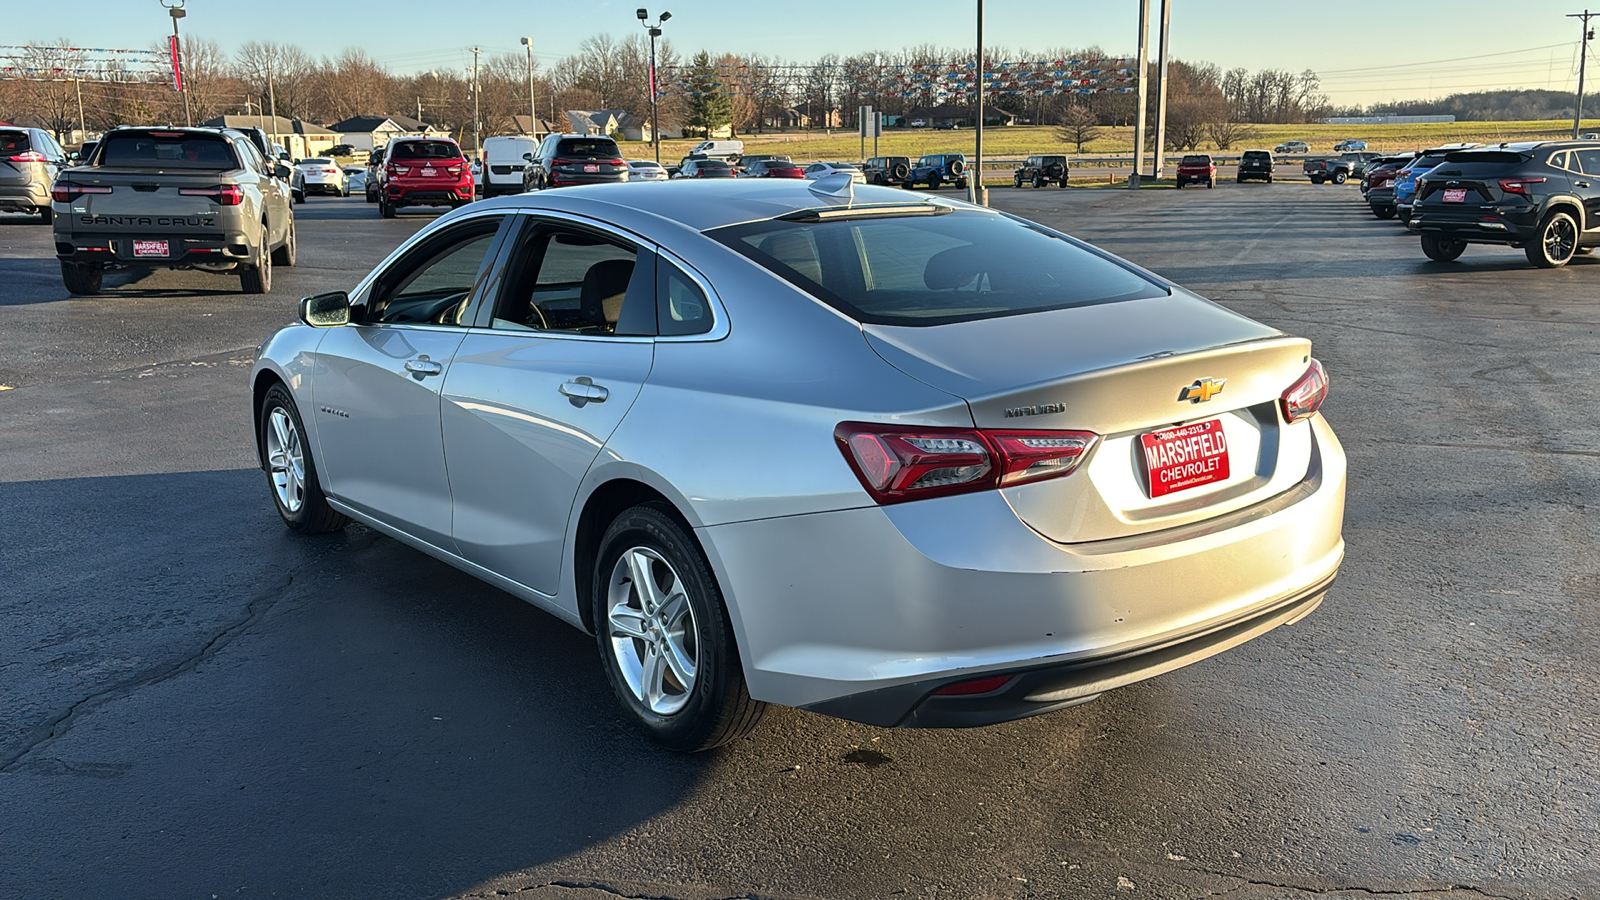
1364, 54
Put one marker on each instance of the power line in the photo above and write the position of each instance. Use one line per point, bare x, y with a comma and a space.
1437, 61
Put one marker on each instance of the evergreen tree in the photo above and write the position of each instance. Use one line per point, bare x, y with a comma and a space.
709, 106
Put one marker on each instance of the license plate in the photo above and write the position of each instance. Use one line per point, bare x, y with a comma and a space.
1185, 457
151, 248
589, 168
1455, 195
429, 172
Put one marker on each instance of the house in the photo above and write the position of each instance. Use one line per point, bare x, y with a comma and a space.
958, 116
299, 137
519, 126
372, 132
616, 121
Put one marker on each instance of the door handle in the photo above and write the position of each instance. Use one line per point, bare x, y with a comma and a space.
1582, 184
422, 365
582, 390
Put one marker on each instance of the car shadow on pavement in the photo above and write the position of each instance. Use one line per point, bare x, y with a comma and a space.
199, 702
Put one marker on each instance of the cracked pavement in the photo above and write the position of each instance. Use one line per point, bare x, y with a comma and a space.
194, 702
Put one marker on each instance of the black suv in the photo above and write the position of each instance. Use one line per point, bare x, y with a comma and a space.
566, 159
1254, 164
1543, 197
886, 169
1042, 170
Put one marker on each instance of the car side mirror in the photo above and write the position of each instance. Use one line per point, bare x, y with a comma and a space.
528, 157
281, 171
327, 310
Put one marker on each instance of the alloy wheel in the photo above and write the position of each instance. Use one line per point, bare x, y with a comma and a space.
286, 460
1560, 239
653, 633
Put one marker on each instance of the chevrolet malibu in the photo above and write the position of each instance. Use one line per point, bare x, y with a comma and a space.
907, 462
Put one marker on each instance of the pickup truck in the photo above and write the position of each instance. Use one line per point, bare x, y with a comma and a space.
1338, 171
173, 198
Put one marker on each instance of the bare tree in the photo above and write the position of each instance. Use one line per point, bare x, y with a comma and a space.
1078, 126
49, 89
1226, 132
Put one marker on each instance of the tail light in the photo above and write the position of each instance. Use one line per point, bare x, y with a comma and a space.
975, 686
899, 462
29, 156
66, 191
398, 170
616, 162
222, 194
453, 170
330, 171
1519, 185
1305, 396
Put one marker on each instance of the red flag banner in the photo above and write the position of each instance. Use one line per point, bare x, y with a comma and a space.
177, 72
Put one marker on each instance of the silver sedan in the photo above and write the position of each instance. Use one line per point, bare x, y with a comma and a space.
903, 461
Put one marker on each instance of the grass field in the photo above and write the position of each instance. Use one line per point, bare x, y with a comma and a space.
1023, 140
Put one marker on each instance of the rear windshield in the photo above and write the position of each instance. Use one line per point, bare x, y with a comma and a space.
15, 142
711, 163
935, 269
1052, 160
1487, 156
425, 150
1195, 161
319, 161
167, 150
1479, 164
1257, 154
588, 148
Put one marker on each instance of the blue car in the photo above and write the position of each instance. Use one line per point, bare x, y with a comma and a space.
1405, 184
1351, 144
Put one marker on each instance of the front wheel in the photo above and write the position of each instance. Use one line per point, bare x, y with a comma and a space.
934, 181
664, 636
287, 254
1442, 249
1019, 181
291, 472
1555, 243
83, 280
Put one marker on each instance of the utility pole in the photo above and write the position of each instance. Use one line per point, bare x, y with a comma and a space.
533, 116
655, 106
1583, 56
272, 98
975, 191
83, 127
477, 143
1144, 105
1161, 90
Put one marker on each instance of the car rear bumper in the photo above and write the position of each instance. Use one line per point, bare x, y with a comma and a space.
24, 197
917, 597
1476, 226
565, 179
428, 195
184, 250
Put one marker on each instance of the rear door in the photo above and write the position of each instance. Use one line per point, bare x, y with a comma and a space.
377, 382
539, 387
1587, 186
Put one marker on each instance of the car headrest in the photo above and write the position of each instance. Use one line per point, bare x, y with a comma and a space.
953, 268
604, 286
794, 250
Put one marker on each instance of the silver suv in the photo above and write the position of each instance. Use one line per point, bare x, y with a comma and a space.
174, 198
29, 161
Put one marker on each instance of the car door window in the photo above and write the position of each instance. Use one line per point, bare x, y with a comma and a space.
567, 279
683, 308
433, 284
1587, 161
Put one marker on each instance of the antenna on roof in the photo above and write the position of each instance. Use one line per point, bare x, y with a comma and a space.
837, 186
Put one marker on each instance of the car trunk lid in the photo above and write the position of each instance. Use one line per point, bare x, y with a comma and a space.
1138, 388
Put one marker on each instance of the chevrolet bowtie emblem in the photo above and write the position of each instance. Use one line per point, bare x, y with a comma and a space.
1202, 390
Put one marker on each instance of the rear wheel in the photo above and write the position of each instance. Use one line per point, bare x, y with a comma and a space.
1340, 178
1442, 249
385, 208
291, 472
1316, 179
46, 215
81, 279
299, 196
1383, 212
664, 636
286, 255
933, 182
1555, 243
257, 277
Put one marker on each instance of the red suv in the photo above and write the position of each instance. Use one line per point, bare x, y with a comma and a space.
1197, 168
424, 171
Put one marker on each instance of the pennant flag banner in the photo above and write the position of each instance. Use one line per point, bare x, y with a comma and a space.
933, 81
34, 63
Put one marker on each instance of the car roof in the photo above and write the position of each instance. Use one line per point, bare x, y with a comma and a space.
701, 205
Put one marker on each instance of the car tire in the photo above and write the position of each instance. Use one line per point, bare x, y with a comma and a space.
291, 472
1442, 249
1038, 182
288, 253
1316, 179
345, 192
1556, 241
1018, 180
256, 278
961, 184
299, 196
81, 280
1383, 212
900, 170
1340, 178
372, 197
668, 649
385, 208
934, 182
46, 215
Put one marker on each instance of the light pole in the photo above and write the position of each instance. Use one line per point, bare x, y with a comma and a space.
533, 117
175, 9
655, 109
975, 192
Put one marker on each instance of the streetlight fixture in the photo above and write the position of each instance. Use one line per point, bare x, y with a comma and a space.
533, 117
655, 109
175, 9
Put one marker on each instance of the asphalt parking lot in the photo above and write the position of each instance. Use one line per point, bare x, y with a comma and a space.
194, 703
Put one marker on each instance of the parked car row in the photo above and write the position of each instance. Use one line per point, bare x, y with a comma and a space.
1541, 197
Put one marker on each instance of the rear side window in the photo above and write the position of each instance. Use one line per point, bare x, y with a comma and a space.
588, 148
15, 142
168, 150
935, 269
425, 150
1587, 160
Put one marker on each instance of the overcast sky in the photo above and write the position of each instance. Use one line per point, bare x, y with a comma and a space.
1363, 52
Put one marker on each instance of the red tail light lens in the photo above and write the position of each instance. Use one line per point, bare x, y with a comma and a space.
897, 462
222, 194
29, 156
66, 191
398, 170
1519, 185
976, 686
1305, 396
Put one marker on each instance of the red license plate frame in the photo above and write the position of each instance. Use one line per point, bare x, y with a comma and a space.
1455, 195
152, 249
1185, 457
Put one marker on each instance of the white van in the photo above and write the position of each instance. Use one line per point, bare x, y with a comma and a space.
730, 150
503, 164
